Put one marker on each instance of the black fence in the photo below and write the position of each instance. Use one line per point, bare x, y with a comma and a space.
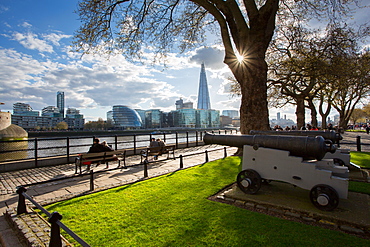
37, 148
53, 218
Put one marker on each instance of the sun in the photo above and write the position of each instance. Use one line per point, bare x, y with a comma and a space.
239, 57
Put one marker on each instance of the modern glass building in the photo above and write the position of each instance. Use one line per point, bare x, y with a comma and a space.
153, 119
23, 109
214, 119
230, 113
60, 102
185, 118
125, 117
203, 94
202, 118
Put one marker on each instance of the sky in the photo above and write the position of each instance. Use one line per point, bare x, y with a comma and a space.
36, 62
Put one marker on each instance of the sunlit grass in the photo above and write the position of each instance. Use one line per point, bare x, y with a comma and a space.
173, 210
361, 158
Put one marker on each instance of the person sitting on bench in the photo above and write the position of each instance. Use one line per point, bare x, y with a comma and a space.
97, 147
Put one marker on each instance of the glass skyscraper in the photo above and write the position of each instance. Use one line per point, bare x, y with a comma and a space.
203, 94
60, 102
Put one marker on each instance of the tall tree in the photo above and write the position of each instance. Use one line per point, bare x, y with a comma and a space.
295, 70
246, 29
348, 72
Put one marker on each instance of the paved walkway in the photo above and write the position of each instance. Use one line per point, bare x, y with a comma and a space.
104, 178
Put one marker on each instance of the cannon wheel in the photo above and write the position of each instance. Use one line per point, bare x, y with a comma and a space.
324, 197
249, 181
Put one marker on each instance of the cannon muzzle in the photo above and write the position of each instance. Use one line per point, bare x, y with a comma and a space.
328, 135
306, 147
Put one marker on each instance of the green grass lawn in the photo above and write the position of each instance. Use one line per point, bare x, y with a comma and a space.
361, 158
173, 210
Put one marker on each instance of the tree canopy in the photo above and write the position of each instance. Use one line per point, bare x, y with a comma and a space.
245, 28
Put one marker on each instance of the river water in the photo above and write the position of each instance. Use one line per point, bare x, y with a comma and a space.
47, 147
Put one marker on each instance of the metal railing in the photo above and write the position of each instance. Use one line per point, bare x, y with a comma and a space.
54, 220
37, 148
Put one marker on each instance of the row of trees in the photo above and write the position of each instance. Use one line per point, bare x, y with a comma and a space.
361, 115
99, 125
319, 71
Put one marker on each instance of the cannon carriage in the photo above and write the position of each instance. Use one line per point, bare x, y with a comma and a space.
340, 156
298, 160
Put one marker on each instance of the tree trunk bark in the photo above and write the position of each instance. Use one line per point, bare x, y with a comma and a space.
253, 108
300, 112
312, 107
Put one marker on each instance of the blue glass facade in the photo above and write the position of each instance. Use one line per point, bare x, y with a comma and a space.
125, 117
203, 94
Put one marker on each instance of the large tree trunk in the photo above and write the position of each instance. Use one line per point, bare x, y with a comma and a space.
324, 115
253, 108
300, 112
312, 108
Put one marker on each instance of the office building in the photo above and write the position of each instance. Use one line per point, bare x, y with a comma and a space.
51, 111
153, 119
22, 109
25, 117
60, 102
124, 117
73, 113
203, 94
142, 116
230, 113
181, 105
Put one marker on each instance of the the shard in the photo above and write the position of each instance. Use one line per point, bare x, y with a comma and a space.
203, 94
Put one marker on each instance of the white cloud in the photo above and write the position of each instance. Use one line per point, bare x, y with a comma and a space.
26, 25
31, 41
54, 38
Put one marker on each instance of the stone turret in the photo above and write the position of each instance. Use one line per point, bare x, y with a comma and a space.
9, 131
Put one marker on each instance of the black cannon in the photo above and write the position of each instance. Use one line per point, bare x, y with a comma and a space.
327, 135
301, 146
297, 160
340, 156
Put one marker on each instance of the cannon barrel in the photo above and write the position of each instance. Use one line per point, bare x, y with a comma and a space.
306, 147
328, 135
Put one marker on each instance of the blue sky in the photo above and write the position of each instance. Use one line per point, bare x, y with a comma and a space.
36, 61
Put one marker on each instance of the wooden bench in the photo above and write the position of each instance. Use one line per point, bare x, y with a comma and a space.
157, 151
101, 158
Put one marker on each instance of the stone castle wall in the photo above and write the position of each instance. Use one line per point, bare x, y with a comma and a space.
5, 120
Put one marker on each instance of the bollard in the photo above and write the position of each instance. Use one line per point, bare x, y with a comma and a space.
225, 152
145, 168
181, 162
206, 152
358, 141
134, 144
55, 239
21, 208
67, 149
177, 139
36, 158
115, 142
91, 180
196, 138
187, 139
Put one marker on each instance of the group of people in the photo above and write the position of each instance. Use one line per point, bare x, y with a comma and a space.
98, 147
307, 127
158, 143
